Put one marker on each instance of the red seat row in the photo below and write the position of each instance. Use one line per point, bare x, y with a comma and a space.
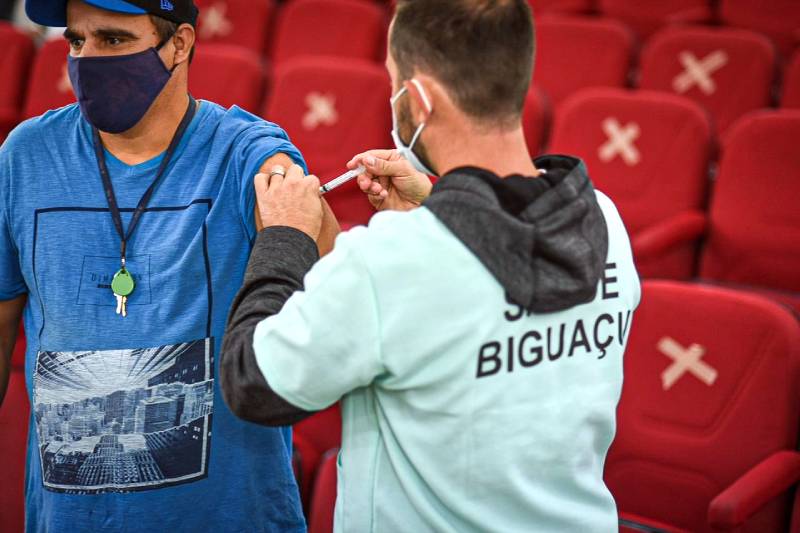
345, 28
650, 152
778, 19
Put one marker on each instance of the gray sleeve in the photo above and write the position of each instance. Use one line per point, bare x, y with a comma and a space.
278, 263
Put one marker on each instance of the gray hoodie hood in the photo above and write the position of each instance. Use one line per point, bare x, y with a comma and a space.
544, 239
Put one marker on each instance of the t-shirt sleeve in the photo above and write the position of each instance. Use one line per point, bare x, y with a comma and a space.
259, 141
325, 342
12, 284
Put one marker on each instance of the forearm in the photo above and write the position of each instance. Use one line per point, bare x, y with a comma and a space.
329, 231
10, 313
279, 261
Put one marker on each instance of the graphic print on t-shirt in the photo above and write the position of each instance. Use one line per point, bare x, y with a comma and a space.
124, 420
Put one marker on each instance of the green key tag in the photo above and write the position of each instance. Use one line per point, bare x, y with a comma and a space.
123, 283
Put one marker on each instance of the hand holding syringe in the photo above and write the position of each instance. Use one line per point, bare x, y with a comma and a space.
341, 180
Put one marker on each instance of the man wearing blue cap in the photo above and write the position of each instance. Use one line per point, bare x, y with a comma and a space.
126, 222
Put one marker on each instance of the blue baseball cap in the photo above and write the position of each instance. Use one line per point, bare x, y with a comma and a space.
54, 12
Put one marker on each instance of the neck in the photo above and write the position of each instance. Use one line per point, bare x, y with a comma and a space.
152, 135
502, 152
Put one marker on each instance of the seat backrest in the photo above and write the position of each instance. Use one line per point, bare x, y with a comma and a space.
18, 356
13, 443
313, 438
541, 7
322, 430
228, 75
790, 97
16, 56
754, 230
536, 117
647, 16
341, 28
707, 65
334, 109
711, 381
779, 19
245, 23
49, 86
323, 501
573, 53
648, 151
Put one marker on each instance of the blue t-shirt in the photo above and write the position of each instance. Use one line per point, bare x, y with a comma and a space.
128, 429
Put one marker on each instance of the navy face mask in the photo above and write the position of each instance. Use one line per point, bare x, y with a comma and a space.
115, 92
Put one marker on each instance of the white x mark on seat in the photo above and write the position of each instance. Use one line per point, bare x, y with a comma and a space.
685, 360
620, 142
698, 72
321, 110
214, 21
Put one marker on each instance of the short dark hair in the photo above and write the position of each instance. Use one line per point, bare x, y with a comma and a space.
482, 51
165, 29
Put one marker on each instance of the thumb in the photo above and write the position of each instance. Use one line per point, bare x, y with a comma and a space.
383, 167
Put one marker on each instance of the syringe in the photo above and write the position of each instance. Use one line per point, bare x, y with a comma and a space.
341, 180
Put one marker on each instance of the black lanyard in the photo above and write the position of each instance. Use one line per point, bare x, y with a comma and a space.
109, 188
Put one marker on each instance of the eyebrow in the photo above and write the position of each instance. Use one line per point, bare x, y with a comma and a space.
103, 33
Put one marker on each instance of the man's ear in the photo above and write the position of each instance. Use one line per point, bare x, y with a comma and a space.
421, 102
183, 40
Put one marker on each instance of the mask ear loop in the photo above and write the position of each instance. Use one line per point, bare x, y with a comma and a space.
163, 43
422, 93
428, 106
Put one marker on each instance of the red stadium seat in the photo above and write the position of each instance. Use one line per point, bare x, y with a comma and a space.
49, 86
13, 443
561, 6
16, 56
333, 110
18, 356
791, 83
779, 19
323, 504
577, 52
707, 422
341, 28
754, 225
536, 118
305, 461
647, 16
706, 65
650, 153
245, 23
313, 437
322, 430
795, 528
228, 75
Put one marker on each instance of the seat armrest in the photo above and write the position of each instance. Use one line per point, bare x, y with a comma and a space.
662, 236
768, 479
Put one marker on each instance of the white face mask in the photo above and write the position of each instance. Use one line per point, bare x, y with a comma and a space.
408, 151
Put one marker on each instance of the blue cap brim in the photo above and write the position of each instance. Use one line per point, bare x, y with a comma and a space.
54, 12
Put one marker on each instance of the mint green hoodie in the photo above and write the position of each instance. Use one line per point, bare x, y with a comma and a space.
464, 410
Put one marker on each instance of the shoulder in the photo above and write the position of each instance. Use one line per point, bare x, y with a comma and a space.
395, 237
613, 220
236, 120
619, 245
54, 123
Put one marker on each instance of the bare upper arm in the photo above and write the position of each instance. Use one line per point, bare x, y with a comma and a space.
330, 226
